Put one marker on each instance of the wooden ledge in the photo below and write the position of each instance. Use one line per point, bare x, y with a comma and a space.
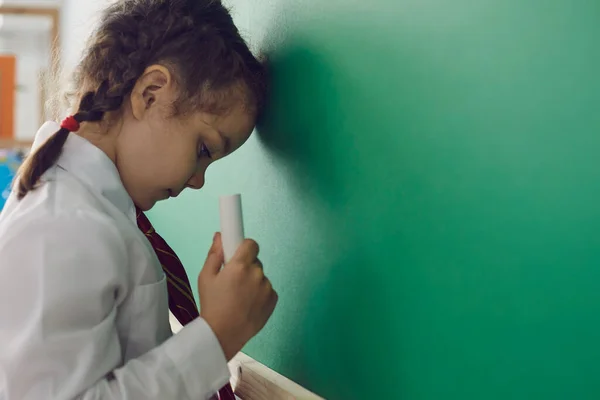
252, 380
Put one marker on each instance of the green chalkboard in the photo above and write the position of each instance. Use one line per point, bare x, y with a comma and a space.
426, 192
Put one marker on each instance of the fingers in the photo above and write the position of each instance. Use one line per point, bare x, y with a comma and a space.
271, 298
258, 276
214, 260
246, 257
247, 252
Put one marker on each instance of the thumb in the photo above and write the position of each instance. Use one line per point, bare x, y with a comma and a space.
214, 260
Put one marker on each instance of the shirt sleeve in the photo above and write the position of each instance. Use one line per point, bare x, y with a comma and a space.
62, 280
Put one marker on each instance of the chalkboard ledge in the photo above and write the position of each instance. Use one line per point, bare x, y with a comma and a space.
252, 380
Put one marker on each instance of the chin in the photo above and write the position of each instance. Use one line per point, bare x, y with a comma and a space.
146, 205
143, 208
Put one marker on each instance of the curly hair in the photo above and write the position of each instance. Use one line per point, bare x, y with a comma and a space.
196, 39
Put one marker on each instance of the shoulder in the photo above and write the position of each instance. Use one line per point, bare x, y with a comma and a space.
79, 232
61, 206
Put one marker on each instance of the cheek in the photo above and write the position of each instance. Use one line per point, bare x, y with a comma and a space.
182, 170
191, 170
177, 160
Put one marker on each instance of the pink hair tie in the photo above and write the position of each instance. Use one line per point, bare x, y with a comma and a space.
70, 124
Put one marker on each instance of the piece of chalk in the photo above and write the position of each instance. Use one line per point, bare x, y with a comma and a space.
232, 225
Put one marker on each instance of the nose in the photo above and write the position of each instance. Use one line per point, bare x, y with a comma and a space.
197, 180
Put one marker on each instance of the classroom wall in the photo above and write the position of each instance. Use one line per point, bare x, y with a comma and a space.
425, 192
30, 48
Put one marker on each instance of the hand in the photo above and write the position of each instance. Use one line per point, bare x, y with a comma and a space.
237, 300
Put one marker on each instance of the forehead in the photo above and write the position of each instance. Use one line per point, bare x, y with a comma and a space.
239, 118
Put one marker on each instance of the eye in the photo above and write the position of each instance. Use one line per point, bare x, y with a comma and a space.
204, 151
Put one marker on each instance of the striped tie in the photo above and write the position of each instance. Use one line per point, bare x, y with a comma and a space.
181, 298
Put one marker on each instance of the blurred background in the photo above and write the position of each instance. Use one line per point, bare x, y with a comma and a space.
28, 40
40, 43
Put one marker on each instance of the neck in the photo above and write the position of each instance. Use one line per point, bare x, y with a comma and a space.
102, 137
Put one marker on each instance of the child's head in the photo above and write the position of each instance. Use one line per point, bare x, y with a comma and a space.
165, 88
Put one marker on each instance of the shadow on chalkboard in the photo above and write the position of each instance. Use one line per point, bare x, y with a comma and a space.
305, 126
297, 129
299, 121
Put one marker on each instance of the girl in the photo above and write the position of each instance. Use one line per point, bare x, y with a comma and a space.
165, 88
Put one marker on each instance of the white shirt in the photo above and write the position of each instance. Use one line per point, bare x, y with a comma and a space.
84, 309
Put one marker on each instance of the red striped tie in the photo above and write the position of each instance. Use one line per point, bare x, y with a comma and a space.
181, 298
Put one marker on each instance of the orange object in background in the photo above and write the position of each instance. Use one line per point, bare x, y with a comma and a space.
7, 96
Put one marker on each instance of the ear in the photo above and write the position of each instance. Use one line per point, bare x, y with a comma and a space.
154, 86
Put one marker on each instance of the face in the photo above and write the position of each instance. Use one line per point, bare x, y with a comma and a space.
159, 155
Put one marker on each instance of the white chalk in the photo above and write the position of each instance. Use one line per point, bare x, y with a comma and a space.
232, 224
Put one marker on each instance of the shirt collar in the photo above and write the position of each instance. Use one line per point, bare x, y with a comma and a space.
92, 166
